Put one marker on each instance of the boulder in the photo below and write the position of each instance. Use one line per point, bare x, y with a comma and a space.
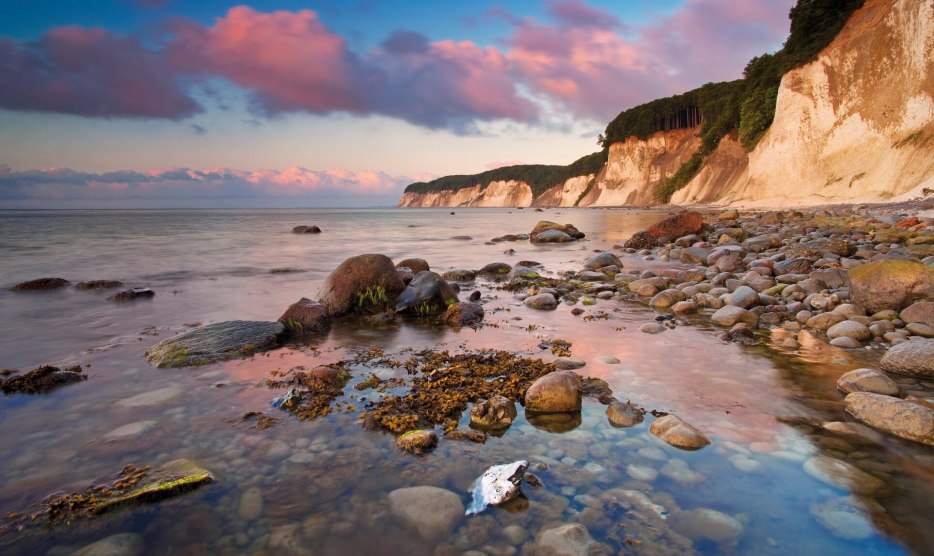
544, 226
641, 240
42, 380
133, 294
666, 298
891, 284
682, 224
601, 260
557, 392
306, 230
459, 275
675, 431
849, 329
542, 301
363, 283
306, 315
551, 236
416, 265
495, 270
463, 313
417, 441
911, 358
868, 380
744, 297
519, 272
40, 284
729, 315
898, 417
98, 285
216, 342
621, 414
919, 312
427, 294
430, 511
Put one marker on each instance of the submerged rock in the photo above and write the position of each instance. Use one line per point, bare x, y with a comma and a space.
705, 524
677, 432
98, 285
902, 418
42, 380
911, 358
418, 441
132, 294
363, 283
306, 230
621, 414
174, 478
844, 475
464, 313
216, 342
572, 539
430, 511
40, 284
305, 316
121, 544
427, 294
557, 392
497, 485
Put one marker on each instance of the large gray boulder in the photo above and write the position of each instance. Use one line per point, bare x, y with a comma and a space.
902, 418
364, 283
891, 284
912, 358
216, 342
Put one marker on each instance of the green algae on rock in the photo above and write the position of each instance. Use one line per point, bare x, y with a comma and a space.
892, 284
216, 342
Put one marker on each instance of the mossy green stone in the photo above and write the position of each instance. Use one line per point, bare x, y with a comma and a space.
892, 284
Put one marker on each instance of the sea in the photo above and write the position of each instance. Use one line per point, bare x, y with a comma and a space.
321, 486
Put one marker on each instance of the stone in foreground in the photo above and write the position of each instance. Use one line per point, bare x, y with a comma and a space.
42, 380
901, 418
868, 380
305, 316
431, 511
121, 544
418, 442
622, 415
675, 431
40, 284
843, 475
216, 342
364, 283
174, 478
891, 284
498, 484
911, 358
572, 539
557, 392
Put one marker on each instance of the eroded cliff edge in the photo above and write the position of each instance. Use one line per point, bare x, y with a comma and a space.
855, 125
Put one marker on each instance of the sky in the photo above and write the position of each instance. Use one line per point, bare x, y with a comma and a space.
171, 103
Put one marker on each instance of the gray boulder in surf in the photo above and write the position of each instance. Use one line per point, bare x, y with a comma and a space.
216, 342
427, 293
498, 484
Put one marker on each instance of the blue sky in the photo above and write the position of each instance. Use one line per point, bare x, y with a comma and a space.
333, 103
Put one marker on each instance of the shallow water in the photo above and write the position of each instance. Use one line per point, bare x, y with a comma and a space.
324, 483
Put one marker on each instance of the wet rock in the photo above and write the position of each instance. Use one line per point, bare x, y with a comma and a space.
542, 301
133, 294
705, 524
846, 342
666, 298
153, 397
919, 312
497, 485
496, 413
911, 358
675, 431
891, 284
555, 422
40, 284
414, 264
591, 276
824, 321
121, 544
306, 316
678, 225
844, 475
459, 275
430, 511
418, 441
641, 240
464, 313
363, 283
251, 504
427, 294
520, 271
652, 328
42, 380
495, 270
572, 539
98, 285
173, 478
868, 380
306, 230
129, 430
568, 363
843, 520
216, 342
849, 329
557, 392
744, 297
466, 434
729, 315
902, 418
622, 415
601, 260
543, 232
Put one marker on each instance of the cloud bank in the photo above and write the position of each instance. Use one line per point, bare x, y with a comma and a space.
582, 59
185, 187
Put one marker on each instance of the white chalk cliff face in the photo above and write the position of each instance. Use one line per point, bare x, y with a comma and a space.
855, 125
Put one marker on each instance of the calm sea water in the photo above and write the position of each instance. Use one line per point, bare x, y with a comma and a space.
323, 484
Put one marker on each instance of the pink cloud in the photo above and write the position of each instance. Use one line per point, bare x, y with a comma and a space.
90, 72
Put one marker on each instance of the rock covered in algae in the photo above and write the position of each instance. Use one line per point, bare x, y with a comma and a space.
216, 342
173, 478
498, 484
418, 441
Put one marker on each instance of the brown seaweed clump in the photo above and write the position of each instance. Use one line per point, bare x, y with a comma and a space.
42, 380
312, 391
443, 385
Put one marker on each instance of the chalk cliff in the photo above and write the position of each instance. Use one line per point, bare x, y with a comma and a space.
855, 125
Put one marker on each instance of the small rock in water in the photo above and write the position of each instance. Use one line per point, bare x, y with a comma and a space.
122, 544
418, 441
498, 484
621, 414
675, 431
135, 293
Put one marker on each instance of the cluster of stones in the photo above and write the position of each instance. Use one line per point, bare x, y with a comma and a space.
54, 283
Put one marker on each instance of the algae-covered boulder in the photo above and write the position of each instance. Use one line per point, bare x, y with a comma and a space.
552, 232
557, 392
363, 283
418, 441
306, 315
427, 294
678, 225
892, 284
216, 342
464, 313
173, 478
